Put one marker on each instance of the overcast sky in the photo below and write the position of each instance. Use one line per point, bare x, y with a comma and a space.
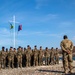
44, 22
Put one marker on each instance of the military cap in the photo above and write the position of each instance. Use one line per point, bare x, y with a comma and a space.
56, 48
11, 47
52, 48
3, 47
40, 46
28, 46
19, 47
14, 48
35, 46
46, 47
6, 48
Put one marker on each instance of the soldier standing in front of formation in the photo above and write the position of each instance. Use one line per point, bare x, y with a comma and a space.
57, 56
11, 58
28, 56
35, 54
52, 55
67, 48
3, 58
19, 57
46, 56
40, 56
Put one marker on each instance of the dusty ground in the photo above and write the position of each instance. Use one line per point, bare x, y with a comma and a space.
39, 70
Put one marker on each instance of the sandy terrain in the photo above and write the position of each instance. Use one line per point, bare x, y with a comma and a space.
39, 70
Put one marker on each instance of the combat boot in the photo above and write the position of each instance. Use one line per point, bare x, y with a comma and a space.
66, 71
70, 71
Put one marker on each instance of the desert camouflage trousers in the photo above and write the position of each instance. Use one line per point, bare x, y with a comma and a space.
67, 61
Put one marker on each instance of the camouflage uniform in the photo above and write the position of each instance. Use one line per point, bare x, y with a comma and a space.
52, 53
3, 58
67, 48
57, 56
28, 56
0, 60
46, 53
24, 57
35, 54
40, 56
15, 58
11, 58
6, 57
19, 57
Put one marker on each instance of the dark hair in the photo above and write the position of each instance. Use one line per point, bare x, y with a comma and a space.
46, 47
35, 46
65, 37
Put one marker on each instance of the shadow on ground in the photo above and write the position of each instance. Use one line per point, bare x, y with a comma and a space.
60, 72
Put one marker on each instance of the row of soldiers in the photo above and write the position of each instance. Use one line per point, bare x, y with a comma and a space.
27, 57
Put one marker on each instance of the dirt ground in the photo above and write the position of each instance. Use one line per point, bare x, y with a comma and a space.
38, 70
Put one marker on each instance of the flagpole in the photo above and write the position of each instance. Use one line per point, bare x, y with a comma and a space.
14, 29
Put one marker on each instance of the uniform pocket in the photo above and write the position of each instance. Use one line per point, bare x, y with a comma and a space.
70, 58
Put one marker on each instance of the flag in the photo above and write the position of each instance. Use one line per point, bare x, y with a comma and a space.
19, 27
11, 26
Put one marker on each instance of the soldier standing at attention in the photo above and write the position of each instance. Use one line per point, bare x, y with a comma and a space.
46, 56
35, 54
40, 56
28, 56
67, 48
19, 57
57, 56
15, 57
6, 57
11, 58
3, 58
52, 55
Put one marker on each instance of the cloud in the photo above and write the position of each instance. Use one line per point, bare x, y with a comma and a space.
49, 17
40, 34
65, 24
40, 3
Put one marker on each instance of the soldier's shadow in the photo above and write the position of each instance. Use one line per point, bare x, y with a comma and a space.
60, 72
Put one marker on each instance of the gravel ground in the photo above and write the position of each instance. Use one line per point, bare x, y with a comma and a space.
39, 70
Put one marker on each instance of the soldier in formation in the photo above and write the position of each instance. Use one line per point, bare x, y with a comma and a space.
28, 56
3, 58
40, 56
57, 56
46, 54
35, 54
52, 56
19, 57
11, 58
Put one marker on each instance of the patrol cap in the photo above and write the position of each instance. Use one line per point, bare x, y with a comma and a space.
14, 48
3, 47
11, 47
40, 46
28, 46
46, 47
56, 48
52, 48
65, 37
19, 47
35, 46
6, 48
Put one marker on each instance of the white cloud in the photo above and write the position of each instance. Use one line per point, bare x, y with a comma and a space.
49, 17
40, 3
65, 24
